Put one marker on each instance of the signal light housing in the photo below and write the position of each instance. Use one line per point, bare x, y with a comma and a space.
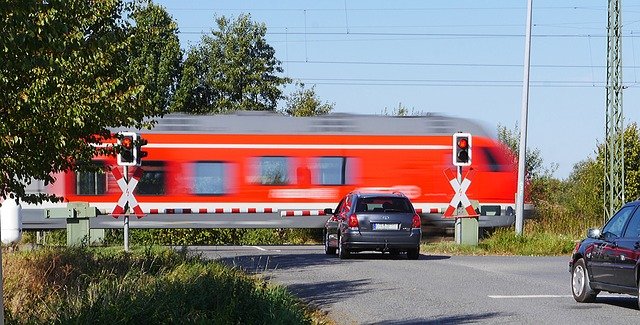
462, 149
130, 152
127, 155
139, 152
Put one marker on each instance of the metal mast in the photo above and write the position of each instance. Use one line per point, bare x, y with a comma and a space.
614, 144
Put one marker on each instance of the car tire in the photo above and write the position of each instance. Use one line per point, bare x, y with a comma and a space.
580, 285
638, 292
328, 249
413, 254
343, 252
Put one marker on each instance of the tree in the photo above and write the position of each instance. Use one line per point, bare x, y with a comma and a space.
64, 81
304, 102
534, 164
233, 69
155, 57
402, 110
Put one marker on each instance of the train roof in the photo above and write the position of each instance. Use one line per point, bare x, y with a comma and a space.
260, 122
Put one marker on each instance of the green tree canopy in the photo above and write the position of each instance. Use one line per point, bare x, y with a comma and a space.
304, 102
64, 81
155, 57
534, 164
234, 68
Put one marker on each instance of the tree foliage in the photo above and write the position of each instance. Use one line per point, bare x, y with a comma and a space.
64, 81
583, 191
234, 68
155, 57
534, 164
402, 110
304, 102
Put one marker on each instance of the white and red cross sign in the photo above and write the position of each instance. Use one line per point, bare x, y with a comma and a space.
127, 193
460, 196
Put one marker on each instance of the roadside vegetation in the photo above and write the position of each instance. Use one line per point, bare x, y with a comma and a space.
147, 286
564, 209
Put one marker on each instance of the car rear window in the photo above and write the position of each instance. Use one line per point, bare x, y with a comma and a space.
384, 204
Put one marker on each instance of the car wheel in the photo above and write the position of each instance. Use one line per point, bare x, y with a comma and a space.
343, 252
413, 254
638, 293
328, 249
580, 286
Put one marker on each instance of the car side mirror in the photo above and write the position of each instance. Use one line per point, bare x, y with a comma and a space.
594, 233
328, 211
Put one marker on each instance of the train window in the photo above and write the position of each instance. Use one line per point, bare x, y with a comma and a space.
153, 178
91, 183
274, 170
209, 177
493, 162
331, 171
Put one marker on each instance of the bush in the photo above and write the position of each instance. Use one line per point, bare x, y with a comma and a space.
105, 286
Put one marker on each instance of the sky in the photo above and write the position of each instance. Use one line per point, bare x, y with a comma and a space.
462, 58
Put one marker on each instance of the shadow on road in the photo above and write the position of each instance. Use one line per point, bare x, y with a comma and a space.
621, 301
257, 263
326, 293
457, 319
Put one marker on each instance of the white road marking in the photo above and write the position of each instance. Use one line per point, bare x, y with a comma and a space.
528, 296
258, 248
545, 296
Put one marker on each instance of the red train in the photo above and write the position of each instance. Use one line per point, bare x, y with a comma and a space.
267, 163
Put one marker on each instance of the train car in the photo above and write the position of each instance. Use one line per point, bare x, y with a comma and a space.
267, 164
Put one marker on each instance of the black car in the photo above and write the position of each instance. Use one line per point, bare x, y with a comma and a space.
607, 260
385, 222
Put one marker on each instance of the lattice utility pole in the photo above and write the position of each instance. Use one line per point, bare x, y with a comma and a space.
614, 143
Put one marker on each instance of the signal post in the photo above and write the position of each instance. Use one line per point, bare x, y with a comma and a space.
460, 207
130, 154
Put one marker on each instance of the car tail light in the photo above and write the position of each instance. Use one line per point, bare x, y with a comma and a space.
353, 221
416, 221
577, 247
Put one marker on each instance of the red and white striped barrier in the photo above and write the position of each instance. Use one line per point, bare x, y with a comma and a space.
430, 210
303, 213
245, 210
127, 193
211, 210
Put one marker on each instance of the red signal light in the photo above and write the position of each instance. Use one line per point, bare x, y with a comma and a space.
127, 142
463, 143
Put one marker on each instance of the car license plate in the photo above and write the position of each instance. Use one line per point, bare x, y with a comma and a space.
386, 226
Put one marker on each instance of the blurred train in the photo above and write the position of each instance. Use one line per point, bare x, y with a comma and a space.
265, 163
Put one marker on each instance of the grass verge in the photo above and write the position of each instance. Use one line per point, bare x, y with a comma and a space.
146, 286
504, 241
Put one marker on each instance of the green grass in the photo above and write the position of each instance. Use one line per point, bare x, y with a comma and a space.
146, 286
504, 241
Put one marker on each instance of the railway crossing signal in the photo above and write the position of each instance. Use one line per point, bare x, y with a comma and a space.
130, 152
138, 152
461, 149
127, 151
460, 187
127, 196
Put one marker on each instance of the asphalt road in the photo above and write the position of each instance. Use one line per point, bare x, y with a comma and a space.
436, 289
